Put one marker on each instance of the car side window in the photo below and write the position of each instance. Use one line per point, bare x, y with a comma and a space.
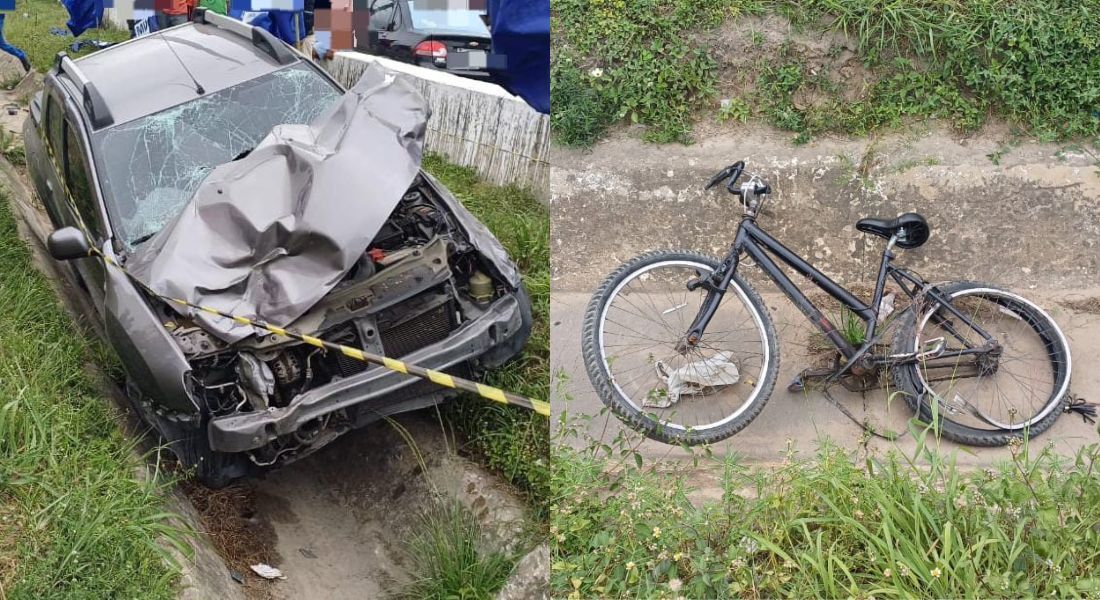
381, 14
54, 118
79, 182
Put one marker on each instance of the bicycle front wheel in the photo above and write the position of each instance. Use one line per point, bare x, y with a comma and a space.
985, 399
632, 347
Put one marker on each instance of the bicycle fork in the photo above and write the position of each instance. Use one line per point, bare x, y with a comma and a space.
716, 284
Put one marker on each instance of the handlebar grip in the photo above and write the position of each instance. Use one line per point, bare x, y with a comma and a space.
732, 172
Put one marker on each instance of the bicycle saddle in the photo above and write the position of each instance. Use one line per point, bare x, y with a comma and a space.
912, 230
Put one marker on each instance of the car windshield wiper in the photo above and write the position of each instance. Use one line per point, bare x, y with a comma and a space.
142, 239
243, 154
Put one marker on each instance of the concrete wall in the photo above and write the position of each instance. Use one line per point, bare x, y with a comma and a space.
473, 123
1032, 220
117, 15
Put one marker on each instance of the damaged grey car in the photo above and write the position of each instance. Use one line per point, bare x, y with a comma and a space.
220, 167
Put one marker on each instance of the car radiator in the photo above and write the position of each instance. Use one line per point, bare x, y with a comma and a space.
408, 327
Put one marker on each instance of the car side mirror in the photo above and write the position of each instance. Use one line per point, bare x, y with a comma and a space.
68, 243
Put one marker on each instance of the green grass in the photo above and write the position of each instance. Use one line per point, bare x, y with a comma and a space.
446, 558
81, 523
1032, 63
511, 440
31, 32
78, 521
620, 59
834, 525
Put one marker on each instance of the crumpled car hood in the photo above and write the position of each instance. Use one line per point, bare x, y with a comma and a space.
269, 235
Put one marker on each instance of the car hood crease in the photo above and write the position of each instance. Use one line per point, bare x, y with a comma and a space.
267, 236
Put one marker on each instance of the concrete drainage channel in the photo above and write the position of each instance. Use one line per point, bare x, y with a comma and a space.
334, 522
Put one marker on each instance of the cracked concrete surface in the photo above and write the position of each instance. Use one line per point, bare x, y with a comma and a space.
1034, 219
1030, 223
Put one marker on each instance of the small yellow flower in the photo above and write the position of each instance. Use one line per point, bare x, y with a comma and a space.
936, 573
630, 566
657, 532
677, 556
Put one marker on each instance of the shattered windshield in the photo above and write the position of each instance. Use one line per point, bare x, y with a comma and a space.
150, 167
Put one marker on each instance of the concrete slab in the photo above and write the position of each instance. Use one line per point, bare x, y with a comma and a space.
799, 421
1030, 223
1031, 220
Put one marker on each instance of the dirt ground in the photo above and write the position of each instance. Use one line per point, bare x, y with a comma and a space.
1030, 222
332, 522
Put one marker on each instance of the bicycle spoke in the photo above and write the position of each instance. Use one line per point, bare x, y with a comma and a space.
1020, 382
648, 318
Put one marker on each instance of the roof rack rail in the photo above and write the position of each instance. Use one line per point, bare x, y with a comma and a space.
93, 101
261, 38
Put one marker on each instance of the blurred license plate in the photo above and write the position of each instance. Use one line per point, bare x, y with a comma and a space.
470, 59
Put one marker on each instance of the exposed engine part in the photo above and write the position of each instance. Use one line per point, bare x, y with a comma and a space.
341, 365
415, 221
420, 269
418, 322
481, 287
287, 368
417, 282
257, 379
195, 340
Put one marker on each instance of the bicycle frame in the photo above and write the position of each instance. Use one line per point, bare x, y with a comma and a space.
756, 243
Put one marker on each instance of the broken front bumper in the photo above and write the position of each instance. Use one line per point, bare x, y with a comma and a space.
501, 327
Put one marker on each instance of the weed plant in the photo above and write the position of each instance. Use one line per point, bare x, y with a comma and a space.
645, 62
837, 524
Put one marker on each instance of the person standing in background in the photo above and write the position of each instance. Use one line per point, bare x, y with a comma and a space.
173, 12
12, 50
218, 6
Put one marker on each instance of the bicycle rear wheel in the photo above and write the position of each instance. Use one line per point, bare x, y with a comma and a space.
985, 400
632, 329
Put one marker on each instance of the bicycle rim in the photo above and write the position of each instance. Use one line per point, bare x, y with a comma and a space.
641, 323
1026, 382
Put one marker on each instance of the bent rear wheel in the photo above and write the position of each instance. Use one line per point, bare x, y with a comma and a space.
985, 400
631, 343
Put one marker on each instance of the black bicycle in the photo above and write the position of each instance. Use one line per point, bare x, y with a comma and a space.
682, 349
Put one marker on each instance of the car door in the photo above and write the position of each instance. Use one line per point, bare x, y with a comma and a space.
45, 152
402, 35
380, 34
83, 210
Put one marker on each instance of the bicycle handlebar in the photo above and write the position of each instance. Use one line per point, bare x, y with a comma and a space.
732, 173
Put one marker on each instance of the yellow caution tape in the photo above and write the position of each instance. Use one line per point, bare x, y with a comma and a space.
450, 381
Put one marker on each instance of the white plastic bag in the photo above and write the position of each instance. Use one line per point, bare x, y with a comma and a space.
697, 377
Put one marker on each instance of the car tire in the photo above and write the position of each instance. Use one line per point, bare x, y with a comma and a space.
213, 469
190, 445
